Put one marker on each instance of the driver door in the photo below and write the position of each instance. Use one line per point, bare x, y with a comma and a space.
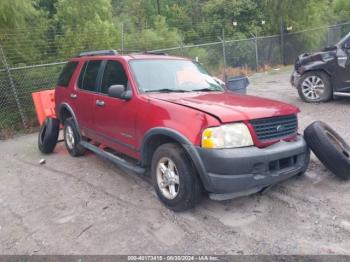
115, 118
342, 76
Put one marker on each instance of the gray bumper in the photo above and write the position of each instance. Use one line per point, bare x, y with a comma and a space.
294, 80
248, 170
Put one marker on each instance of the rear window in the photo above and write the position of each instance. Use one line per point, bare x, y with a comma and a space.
66, 74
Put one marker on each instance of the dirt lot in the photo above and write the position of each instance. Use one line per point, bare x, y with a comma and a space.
88, 206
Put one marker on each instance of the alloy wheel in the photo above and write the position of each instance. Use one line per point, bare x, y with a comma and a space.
70, 137
168, 178
313, 87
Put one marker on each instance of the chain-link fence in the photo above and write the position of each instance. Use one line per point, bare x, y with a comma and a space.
31, 61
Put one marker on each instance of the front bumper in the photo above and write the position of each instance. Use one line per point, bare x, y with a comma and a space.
234, 172
294, 80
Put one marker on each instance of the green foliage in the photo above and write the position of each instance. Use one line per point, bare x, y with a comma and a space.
85, 25
342, 9
159, 36
17, 14
222, 14
199, 53
21, 14
39, 31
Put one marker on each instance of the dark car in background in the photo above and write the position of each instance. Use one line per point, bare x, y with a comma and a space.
320, 76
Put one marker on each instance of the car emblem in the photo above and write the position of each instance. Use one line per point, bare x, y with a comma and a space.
280, 128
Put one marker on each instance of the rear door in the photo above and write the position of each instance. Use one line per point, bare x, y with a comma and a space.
83, 96
64, 83
115, 118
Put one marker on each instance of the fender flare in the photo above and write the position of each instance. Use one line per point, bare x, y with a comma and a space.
186, 144
316, 66
69, 108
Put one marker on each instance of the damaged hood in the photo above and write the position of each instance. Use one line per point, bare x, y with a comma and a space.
323, 56
227, 106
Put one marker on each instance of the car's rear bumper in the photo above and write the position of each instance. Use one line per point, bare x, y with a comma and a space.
242, 171
294, 80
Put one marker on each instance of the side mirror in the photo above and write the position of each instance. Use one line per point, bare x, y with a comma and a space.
119, 91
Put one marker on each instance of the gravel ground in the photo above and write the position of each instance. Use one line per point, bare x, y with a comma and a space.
88, 206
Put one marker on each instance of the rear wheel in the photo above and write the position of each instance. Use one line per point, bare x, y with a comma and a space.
174, 178
72, 138
315, 87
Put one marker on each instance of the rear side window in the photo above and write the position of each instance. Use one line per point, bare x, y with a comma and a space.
66, 74
114, 74
88, 75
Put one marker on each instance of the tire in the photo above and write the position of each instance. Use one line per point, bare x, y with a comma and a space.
330, 148
188, 191
72, 138
315, 87
48, 135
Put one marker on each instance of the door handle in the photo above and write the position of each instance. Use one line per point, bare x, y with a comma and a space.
100, 103
73, 96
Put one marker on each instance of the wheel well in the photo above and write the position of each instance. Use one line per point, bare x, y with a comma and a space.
64, 114
318, 70
152, 144
324, 72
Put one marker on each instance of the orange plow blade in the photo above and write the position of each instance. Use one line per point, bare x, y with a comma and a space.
44, 102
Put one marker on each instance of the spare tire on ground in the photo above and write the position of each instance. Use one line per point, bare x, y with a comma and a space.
48, 135
330, 148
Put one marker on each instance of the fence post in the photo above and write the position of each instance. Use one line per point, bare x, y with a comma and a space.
222, 39
182, 47
283, 60
328, 32
13, 88
256, 51
122, 38
224, 54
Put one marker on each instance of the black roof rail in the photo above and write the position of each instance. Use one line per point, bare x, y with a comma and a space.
99, 52
154, 53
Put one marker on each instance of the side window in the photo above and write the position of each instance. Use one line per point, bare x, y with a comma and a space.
114, 74
81, 76
88, 75
66, 74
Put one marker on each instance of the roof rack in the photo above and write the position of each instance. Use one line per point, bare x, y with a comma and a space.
154, 53
99, 52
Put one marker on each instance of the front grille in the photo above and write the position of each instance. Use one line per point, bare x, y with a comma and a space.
275, 127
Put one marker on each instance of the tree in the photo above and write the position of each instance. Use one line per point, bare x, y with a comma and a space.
49, 6
22, 27
300, 14
18, 14
222, 13
157, 37
342, 9
85, 25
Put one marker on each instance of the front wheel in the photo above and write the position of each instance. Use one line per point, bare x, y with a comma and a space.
315, 87
72, 138
174, 178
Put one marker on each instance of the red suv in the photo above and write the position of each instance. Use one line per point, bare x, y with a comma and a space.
167, 117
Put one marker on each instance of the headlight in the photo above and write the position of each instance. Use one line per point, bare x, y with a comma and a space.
227, 136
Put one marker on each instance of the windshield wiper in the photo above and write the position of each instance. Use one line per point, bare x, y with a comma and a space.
206, 90
167, 90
